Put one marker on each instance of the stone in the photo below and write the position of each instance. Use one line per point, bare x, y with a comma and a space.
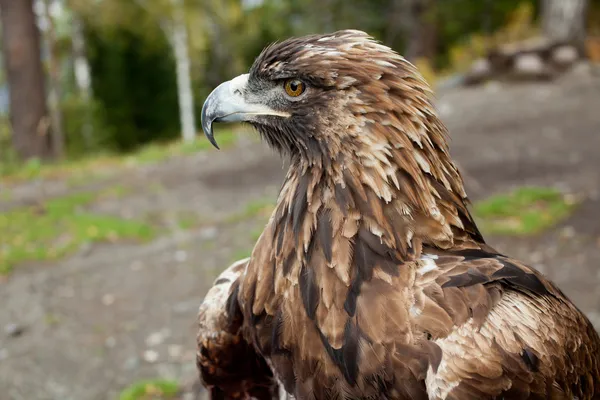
530, 64
14, 330
481, 66
568, 232
155, 338
108, 299
150, 356
208, 233
565, 55
136, 265
180, 256
480, 71
110, 342
131, 363
175, 351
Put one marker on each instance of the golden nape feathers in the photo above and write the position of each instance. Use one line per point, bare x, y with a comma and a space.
371, 280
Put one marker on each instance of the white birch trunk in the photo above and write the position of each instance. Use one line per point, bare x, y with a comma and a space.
179, 43
83, 79
564, 19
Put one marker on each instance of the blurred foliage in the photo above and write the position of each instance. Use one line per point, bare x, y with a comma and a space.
593, 19
256, 208
519, 25
134, 84
133, 69
151, 390
593, 42
525, 211
56, 227
77, 113
84, 169
59, 226
593, 49
7, 155
460, 20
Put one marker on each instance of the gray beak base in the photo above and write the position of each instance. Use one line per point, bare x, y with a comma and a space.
227, 104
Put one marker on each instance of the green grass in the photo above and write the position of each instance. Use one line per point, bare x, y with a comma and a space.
241, 254
525, 211
5, 195
58, 227
187, 220
80, 170
155, 153
247, 252
150, 390
116, 192
255, 233
261, 208
255, 208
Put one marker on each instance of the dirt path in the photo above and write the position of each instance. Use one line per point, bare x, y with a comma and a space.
114, 314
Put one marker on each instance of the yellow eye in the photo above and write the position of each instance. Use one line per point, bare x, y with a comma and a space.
294, 87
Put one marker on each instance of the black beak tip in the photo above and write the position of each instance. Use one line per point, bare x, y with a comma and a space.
209, 134
207, 126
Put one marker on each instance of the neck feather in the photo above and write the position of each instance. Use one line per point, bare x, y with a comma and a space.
408, 194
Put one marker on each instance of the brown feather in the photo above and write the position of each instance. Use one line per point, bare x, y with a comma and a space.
372, 279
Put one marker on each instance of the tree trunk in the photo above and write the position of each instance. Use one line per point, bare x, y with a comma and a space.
414, 20
564, 20
22, 59
420, 30
54, 95
176, 32
327, 15
179, 42
395, 21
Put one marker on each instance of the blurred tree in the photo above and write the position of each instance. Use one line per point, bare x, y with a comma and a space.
54, 84
148, 45
416, 28
81, 69
21, 45
171, 16
564, 20
458, 20
176, 29
420, 29
397, 11
134, 84
227, 35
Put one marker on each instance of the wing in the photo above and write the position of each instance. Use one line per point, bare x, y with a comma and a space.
228, 365
503, 330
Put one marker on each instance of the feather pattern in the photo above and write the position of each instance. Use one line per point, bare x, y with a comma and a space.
230, 366
372, 280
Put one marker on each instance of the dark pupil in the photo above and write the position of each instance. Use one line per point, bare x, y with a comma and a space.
294, 85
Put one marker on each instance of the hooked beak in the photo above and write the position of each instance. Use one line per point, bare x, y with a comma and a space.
227, 104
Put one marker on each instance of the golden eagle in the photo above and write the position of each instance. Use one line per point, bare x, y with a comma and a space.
371, 280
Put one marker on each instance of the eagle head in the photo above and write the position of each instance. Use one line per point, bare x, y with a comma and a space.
320, 97
356, 115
